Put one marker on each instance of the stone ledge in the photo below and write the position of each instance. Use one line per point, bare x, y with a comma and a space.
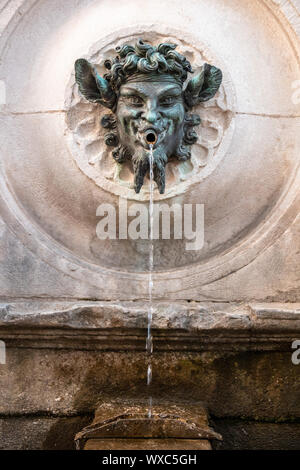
130, 422
120, 326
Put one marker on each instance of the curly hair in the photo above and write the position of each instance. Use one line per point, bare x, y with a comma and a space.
144, 58
135, 62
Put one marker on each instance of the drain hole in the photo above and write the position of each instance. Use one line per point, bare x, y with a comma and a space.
151, 138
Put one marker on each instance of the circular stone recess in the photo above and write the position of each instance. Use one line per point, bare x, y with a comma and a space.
86, 137
55, 170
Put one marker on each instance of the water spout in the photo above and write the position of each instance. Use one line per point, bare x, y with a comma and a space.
151, 138
149, 341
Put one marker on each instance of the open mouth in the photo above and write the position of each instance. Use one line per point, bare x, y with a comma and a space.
151, 137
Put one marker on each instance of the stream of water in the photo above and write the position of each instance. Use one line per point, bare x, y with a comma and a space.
149, 340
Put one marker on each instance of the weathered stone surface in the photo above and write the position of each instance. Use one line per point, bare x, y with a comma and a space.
121, 326
40, 432
177, 424
147, 444
76, 27
193, 412
131, 421
243, 435
264, 385
84, 348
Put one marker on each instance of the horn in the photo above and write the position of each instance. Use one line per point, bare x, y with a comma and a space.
92, 86
203, 86
194, 88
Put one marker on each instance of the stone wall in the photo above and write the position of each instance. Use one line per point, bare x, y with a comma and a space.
73, 308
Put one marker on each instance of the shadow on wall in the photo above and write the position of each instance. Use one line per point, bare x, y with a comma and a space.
251, 396
61, 434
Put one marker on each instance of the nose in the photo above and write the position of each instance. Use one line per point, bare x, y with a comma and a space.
151, 113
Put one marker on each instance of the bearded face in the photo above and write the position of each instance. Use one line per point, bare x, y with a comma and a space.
151, 112
150, 105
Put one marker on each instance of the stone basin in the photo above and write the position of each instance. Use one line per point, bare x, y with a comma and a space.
135, 426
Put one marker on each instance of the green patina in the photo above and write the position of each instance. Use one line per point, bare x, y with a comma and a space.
145, 88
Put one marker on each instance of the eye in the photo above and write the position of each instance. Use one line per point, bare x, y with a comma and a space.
168, 100
134, 100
